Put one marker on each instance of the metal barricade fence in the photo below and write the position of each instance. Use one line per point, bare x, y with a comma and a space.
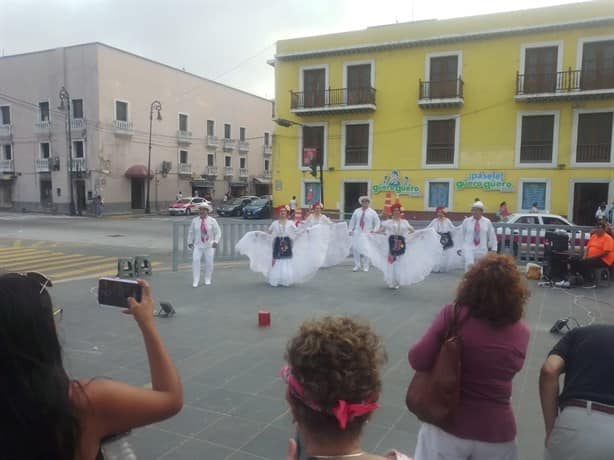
231, 234
523, 241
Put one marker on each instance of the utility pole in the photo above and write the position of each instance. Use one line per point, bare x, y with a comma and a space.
155, 105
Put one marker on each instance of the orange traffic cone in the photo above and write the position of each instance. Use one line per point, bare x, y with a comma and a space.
298, 216
388, 204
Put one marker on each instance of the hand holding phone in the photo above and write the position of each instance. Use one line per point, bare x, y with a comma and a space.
114, 292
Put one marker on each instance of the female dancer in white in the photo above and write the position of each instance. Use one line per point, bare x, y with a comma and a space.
451, 241
404, 255
339, 243
284, 255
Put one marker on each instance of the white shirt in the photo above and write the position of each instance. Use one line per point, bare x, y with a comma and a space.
601, 213
293, 205
488, 237
314, 220
371, 221
401, 227
441, 226
279, 229
214, 233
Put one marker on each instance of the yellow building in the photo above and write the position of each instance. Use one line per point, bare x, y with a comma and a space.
514, 107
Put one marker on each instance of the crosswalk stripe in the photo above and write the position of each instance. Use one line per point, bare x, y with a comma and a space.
61, 262
38, 244
17, 251
19, 257
93, 268
17, 243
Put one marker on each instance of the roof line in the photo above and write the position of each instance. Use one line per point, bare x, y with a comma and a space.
139, 57
412, 43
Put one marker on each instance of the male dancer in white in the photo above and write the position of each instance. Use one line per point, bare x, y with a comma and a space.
203, 237
479, 235
364, 221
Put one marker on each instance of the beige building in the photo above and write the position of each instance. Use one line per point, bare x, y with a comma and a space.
211, 139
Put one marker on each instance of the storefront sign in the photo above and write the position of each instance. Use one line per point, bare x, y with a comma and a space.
309, 154
394, 184
487, 181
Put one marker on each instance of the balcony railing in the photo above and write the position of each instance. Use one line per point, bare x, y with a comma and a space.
268, 174
6, 131
229, 144
566, 84
185, 169
7, 166
440, 155
594, 153
123, 128
333, 100
536, 153
43, 127
267, 150
243, 172
42, 165
78, 165
228, 171
212, 171
212, 141
77, 124
243, 147
184, 137
443, 93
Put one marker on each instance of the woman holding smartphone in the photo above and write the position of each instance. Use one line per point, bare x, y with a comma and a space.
47, 415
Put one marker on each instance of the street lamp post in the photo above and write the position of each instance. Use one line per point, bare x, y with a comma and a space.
155, 105
65, 105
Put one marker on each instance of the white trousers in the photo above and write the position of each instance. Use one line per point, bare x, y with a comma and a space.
436, 444
197, 255
359, 249
581, 434
472, 255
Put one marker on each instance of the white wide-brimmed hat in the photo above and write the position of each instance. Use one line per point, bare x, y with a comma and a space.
206, 206
363, 198
478, 205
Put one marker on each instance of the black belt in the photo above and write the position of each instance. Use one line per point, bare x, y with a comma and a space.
584, 404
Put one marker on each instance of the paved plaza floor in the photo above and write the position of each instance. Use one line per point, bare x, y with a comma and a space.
234, 399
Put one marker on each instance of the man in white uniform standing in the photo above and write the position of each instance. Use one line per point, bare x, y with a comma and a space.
364, 220
478, 235
203, 237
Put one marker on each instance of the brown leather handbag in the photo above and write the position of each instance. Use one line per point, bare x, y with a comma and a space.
433, 395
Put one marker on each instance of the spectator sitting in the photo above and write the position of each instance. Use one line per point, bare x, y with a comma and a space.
599, 253
584, 425
46, 414
491, 300
333, 384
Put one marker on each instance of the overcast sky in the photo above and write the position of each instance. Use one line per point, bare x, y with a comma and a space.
225, 40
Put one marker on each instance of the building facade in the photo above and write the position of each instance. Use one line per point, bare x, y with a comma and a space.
515, 107
210, 139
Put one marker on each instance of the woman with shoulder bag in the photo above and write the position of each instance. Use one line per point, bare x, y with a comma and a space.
494, 339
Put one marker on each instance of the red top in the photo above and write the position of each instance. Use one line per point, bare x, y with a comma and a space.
491, 358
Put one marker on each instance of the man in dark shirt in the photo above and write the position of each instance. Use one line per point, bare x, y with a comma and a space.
584, 426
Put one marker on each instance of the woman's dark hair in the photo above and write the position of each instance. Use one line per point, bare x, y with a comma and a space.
39, 421
493, 290
502, 203
335, 358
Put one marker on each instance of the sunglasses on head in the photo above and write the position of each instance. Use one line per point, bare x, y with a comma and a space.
44, 282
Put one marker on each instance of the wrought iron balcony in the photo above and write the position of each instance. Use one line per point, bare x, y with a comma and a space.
184, 137
536, 153
77, 124
228, 171
7, 166
79, 165
212, 141
594, 153
568, 84
43, 165
243, 172
6, 131
243, 147
211, 171
444, 93
267, 174
440, 155
341, 100
229, 144
123, 128
267, 150
185, 169
43, 128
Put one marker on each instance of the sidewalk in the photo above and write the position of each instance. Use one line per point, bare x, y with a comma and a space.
234, 400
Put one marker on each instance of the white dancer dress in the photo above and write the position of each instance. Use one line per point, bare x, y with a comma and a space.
422, 252
298, 255
451, 238
339, 243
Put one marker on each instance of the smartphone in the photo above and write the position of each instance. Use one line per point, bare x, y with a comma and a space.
115, 292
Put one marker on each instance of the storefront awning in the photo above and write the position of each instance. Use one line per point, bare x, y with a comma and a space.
262, 180
201, 183
136, 172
